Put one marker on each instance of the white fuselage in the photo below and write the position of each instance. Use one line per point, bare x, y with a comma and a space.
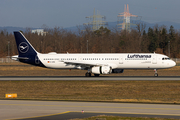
115, 60
102, 63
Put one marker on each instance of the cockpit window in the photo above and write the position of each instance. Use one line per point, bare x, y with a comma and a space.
165, 58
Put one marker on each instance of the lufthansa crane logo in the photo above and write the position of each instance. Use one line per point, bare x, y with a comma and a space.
23, 47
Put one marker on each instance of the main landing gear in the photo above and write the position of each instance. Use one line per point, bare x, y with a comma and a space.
88, 74
96, 75
155, 74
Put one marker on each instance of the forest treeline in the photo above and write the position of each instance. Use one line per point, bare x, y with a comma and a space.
156, 39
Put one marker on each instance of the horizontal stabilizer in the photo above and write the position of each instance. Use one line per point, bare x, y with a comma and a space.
16, 58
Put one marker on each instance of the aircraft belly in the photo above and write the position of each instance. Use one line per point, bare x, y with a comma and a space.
137, 65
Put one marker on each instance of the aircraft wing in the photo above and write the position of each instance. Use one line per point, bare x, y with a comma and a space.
84, 63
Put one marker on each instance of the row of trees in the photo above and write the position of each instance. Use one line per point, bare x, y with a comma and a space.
59, 40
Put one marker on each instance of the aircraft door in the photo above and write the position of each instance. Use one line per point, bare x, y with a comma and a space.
121, 60
80, 58
154, 59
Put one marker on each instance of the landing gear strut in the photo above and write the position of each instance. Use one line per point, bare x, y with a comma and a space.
155, 74
88, 74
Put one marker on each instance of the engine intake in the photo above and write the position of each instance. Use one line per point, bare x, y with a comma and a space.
101, 70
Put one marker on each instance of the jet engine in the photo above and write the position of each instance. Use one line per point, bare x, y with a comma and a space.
101, 70
117, 70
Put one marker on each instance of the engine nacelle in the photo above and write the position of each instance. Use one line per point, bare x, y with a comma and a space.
117, 70
101, 70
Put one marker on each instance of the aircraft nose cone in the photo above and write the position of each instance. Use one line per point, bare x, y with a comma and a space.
173, 63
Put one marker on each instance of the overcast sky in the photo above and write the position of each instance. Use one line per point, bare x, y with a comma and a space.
68, 13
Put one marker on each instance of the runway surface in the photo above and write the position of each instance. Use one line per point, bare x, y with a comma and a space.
89, 78
33, 110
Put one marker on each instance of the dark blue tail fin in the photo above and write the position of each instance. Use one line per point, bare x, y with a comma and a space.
27, 54
25, 49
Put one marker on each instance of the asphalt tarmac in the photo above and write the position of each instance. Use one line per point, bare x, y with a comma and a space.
89, 78
63, 110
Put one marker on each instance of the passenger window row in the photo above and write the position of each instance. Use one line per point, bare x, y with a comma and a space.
83, 58
100, 58
68, 58
51, 58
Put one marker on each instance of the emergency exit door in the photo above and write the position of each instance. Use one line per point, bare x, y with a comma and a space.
154, 59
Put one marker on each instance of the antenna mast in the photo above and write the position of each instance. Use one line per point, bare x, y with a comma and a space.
97, 21
126, 19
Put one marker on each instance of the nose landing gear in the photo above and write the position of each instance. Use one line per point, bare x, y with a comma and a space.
155, 74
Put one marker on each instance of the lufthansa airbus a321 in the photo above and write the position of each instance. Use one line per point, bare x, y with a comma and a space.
97, 64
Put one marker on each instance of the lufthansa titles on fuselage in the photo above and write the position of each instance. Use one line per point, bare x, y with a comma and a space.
138, 56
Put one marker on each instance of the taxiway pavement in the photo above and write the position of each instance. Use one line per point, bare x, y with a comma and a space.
89, 78
19, 109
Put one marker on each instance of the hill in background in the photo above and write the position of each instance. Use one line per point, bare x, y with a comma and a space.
111, 25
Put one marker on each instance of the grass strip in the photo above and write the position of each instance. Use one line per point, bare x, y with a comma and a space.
20, 69
104, 117
114, 91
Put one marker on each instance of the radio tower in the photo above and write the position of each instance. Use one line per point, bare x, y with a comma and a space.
97, 21
126, 19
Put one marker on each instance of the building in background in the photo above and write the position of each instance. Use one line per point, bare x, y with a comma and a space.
39, 32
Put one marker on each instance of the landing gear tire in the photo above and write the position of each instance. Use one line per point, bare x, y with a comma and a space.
96, 75
156, 75
88, 74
